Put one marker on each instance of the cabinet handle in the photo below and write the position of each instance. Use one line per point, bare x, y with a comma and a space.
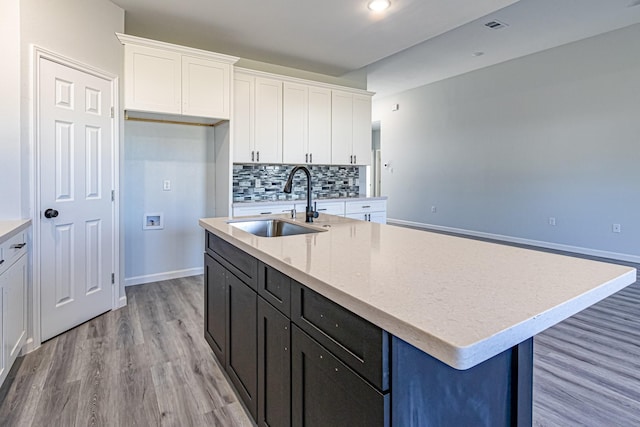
322, 209
252, 157
266, 213
18, 246
311, 158
351, 159
257, 156
366, 207
355, 159
306, 158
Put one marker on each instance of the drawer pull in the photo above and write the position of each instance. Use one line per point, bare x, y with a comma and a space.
366, 207
266, 213
324, 209
18, 246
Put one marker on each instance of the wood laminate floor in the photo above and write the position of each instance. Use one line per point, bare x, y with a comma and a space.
147, 364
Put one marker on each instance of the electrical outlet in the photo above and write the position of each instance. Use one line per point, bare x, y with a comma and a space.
166, 185
616, 228
434, 209
552, 221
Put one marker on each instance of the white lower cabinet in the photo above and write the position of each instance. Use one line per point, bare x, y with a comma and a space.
262, 209
367, 210
362, 209
332, 208
13, 302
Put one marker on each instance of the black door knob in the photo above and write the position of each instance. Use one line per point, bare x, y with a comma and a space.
50, 213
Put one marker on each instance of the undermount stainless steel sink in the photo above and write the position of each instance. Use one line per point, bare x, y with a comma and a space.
272, 227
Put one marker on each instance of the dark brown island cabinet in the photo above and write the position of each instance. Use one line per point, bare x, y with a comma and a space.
295, 358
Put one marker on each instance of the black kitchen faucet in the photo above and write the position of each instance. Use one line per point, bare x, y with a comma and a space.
311, 212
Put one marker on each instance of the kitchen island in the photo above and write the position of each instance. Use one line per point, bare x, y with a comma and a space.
448, 321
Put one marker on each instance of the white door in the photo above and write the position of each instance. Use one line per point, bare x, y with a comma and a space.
76, 167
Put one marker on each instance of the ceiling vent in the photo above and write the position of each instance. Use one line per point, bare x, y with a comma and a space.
496, 25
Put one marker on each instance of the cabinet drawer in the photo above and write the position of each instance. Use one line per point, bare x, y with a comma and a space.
262, 209
360, 344
275, 287
326, 392
332, 208
241, 264
12, 249
364, 206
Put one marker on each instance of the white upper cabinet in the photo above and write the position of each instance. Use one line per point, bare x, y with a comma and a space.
295, 123
350, 128
362, 129
205, 87
243, 118
152, 80
280, 119
171, 79
306, 124
257, 119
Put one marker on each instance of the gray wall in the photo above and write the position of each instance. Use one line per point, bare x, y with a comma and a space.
502, 149
153, 153
10, 110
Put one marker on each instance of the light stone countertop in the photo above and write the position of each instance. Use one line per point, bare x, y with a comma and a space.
9, 228
460, 300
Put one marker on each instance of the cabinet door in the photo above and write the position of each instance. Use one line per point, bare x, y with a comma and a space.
362, 129
325, 392
243, 119
16, 312
152, 80
379, 217
215, 312
205, 88
242, 341
268, 120
4, 370
341, 128
295, 129
319, 125
360, 216
274, 367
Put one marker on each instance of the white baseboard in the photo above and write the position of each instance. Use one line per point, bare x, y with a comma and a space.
28, 346
157, 277
511, 239
122, 301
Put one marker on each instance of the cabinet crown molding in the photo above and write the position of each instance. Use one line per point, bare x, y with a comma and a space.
126, 39
288, 79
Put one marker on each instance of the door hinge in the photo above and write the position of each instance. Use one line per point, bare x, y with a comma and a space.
112, 112
113, 195
113, 278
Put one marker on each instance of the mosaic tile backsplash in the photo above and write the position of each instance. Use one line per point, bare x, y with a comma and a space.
265, 182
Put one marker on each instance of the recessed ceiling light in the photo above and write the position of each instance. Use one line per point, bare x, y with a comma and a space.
379, 5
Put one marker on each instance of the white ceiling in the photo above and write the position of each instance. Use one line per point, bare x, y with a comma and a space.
417, 42
326, 36
534, 25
